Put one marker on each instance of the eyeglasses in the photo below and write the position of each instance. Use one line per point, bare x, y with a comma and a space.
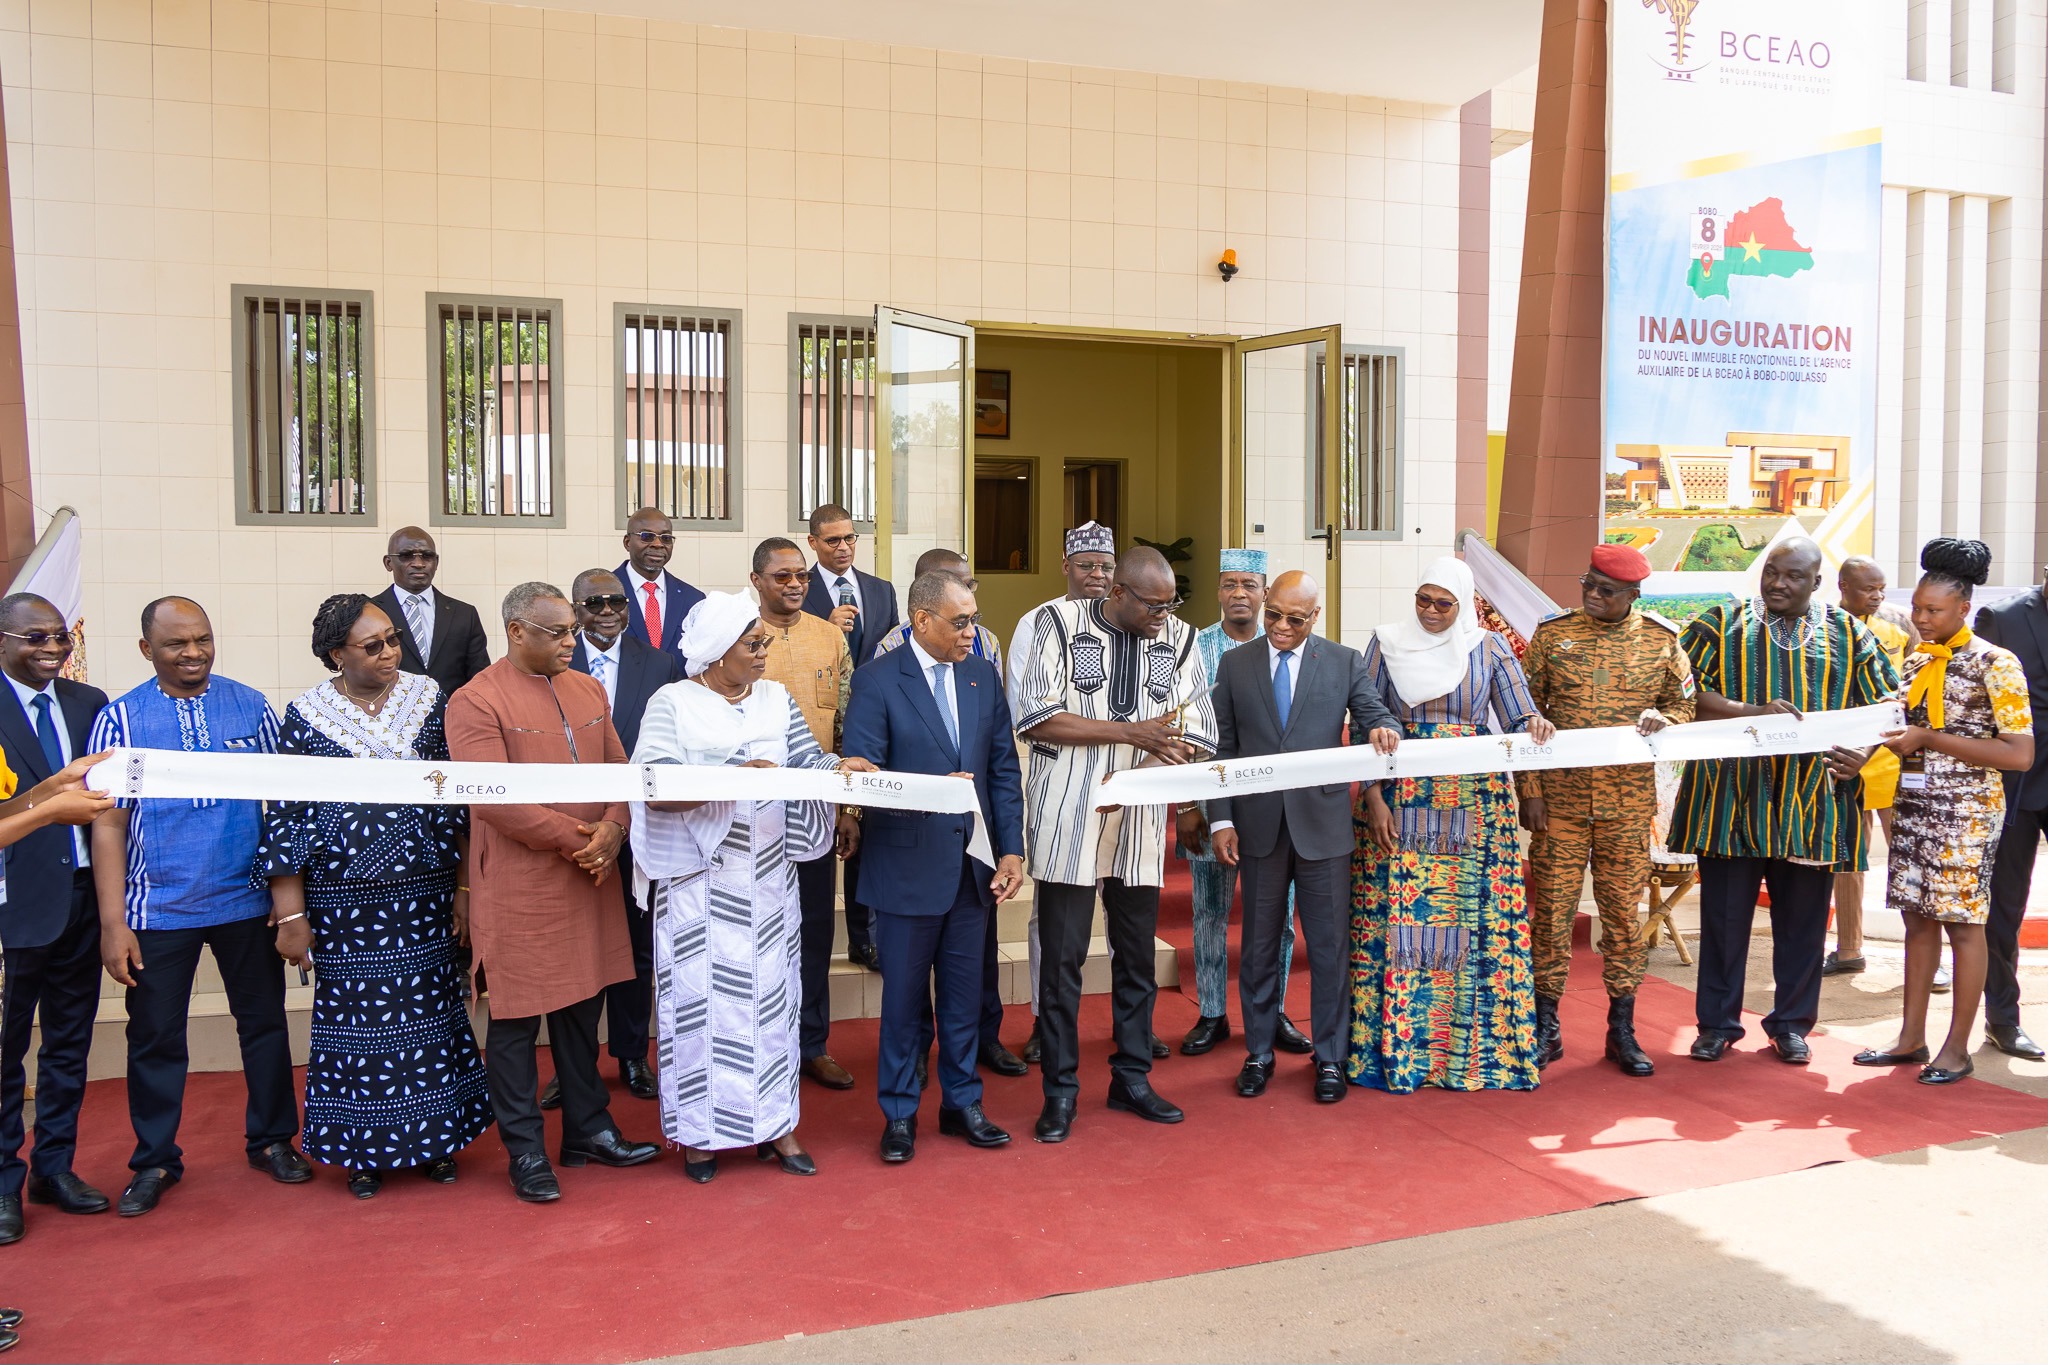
1092, 568
845, 542
1159, 608
962, 624
757, 645
552, 632
655, 537
1427, 603
1292, 622
415, 556
1600, 587
599, 603
375, 647
36, 639
782, 578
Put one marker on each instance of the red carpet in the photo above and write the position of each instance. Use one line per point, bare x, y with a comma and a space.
640, 1263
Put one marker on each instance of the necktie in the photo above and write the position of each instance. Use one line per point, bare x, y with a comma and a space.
599, 666
416, 621
942, 693
46, 733
1283, 688
652, 612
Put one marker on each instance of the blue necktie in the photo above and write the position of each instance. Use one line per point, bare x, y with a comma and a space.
46, 734
1283, 693
942, 693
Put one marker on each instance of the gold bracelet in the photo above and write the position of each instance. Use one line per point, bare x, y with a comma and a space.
462, 888
281, 923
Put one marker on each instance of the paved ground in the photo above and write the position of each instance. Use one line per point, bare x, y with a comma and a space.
1932, 1255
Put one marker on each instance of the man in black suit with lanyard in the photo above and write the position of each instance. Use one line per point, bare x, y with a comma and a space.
2019, 624
50, 921
437, 635
631, 672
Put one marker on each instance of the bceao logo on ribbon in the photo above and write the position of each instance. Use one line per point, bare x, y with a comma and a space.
440, 781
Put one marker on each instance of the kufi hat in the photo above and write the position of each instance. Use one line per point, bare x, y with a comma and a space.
1242, 561
1091, 537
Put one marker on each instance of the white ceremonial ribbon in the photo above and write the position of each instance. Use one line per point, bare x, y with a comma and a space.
153, 774
1742, 737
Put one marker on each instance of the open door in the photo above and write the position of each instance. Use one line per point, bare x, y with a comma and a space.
1288, 478
924, 459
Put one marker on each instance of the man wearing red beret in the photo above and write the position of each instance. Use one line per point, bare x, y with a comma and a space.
1605, 664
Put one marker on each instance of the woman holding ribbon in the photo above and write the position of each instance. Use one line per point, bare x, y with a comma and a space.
1967, 721
727, 921
371, 895
1443, 989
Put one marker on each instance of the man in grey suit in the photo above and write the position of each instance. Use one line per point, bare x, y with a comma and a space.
1291, 692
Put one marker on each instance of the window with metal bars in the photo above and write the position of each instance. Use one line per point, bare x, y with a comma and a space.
494, 369
305, 431
1368, 444
832, 416
675, 414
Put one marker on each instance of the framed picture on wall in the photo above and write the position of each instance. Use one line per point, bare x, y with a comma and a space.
992, 405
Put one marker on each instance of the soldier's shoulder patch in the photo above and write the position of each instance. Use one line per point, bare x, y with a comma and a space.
1666, 622
1687, 687
1557, 616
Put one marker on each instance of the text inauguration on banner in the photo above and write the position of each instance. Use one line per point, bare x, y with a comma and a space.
1742, 283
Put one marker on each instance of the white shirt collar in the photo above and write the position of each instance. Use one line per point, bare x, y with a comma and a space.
925, 662
29, 694
660, 578
590, 648
425, 594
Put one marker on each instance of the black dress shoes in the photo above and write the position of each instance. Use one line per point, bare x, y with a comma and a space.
365, 1184
441, 1170
899, 1141
1208, 1031
68, 1193
1033, 1046
1942, 1075
9, 1338
1330, 1084
1792, 1049
2013, 1041
1288, 1038
11, 1225
1055, 1120
972, 1124
1136, 1097
639, 1079
704, 1170
1002, 1061
1872, 1056
533, 1180
10, 1318
1159, 1047
282, 1163
1709, 1047
792, 1163
551, 1094
1834, 964
864, 955
607, 1149
1252, 1077
143, 1192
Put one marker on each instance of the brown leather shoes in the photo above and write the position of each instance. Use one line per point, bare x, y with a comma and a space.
827, 1072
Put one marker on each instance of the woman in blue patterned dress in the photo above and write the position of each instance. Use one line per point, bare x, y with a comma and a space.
372, 895
1443, 988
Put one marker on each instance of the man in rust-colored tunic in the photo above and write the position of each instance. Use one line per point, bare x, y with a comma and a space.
547, 920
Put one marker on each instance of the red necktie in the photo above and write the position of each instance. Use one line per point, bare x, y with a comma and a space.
652, 611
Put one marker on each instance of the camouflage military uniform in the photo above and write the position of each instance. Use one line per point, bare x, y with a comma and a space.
1584, 673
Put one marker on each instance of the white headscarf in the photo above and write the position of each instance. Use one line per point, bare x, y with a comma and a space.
714, 626
1424, 666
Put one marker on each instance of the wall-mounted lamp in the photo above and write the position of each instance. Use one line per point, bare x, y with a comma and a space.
1228, 265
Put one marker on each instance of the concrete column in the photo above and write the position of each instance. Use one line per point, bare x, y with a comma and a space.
1550, 479
1475, 239
1924, 420
1889, 536
1962, 478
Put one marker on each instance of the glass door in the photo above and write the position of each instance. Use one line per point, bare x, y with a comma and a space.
924, 460
1289, 478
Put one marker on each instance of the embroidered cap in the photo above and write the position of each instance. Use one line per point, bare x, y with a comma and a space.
1242, 561
1092, 537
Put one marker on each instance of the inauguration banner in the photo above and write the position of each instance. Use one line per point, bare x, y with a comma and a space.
1744, 149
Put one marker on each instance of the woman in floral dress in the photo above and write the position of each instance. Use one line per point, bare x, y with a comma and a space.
1967, 721
1443, 990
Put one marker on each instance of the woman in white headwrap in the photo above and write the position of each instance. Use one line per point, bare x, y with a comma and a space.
723, 877
1443, 989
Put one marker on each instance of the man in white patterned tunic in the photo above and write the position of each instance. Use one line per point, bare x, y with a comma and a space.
727, 920
1108, 685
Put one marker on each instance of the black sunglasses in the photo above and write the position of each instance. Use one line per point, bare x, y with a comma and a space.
600, 602
655, 537
36, 639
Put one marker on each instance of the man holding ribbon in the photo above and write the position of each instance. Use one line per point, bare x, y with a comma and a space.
1605, 664
1786, 821
1108, 685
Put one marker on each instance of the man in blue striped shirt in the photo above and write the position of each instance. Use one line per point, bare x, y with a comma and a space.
173, 876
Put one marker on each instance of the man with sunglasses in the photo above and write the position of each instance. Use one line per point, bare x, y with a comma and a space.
1604, 664
861, 605
631, 672
438, 636
50, 920
657, 600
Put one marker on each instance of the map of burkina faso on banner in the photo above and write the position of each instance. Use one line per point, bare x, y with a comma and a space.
1759, 242
1739, 408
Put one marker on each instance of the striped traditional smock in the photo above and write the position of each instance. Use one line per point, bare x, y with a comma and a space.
1788, 805
1079, 662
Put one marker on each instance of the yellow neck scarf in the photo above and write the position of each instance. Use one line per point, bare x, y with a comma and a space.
1932, 681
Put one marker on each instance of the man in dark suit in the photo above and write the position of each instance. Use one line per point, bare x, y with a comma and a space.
456, 648
1293, 691
859, 603
657, 601
931, 707
2019, 624
50, 921
631, 672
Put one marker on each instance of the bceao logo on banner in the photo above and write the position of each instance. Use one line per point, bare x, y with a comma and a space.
1681, 56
